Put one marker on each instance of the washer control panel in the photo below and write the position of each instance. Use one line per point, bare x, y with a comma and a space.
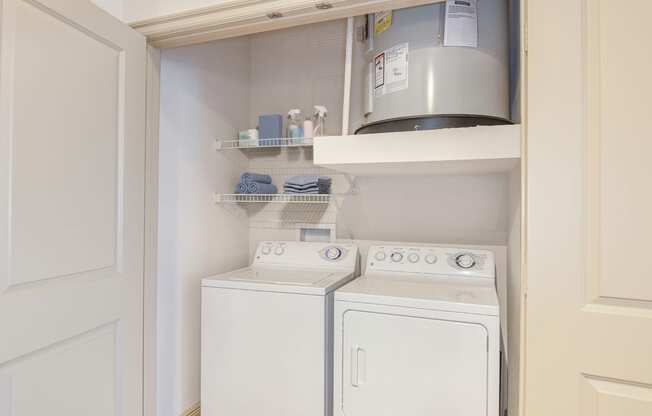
447, 261
305, 254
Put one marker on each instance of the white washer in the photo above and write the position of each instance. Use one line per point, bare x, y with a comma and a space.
418, 334
267, 331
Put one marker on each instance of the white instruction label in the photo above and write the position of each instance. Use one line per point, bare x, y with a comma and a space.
461, 27
391, 70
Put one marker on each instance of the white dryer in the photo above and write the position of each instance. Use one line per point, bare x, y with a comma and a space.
418, 335
267, 343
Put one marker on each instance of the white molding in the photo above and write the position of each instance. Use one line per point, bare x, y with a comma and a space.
243, 17
523, 76
151, 230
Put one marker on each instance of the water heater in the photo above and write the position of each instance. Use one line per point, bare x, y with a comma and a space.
440, 65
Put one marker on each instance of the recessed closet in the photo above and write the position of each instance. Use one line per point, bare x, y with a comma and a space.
210, 92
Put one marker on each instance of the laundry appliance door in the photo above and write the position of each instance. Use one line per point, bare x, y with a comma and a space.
264, 353
407, 365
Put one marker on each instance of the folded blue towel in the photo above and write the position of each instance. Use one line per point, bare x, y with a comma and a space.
261, 188
241, 188
248, 177
310, 185
302, 180
299, 188
310, 191
314, 188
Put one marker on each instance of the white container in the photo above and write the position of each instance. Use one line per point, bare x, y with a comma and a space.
308, 129
253, 137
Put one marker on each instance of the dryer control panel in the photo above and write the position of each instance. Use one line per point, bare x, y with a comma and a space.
306, 254
446, 261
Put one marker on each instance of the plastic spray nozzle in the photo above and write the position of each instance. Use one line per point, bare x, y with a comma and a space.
320, 111
294, 113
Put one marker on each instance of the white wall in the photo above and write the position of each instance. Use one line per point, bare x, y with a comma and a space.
131, 11
298, 68
427, 209
203, 96
302, 66
137, 10
114, 7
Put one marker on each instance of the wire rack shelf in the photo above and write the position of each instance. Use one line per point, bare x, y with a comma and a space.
273, 198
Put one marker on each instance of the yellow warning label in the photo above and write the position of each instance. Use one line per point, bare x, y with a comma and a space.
382, 22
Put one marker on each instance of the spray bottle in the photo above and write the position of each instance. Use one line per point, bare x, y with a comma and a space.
319, 120
295, 127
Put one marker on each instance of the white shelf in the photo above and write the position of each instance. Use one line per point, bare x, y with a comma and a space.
471, 150
263, 143
274, 198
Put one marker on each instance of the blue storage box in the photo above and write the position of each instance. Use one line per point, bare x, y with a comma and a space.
270, 129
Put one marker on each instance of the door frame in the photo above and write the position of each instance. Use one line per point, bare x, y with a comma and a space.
152, 106
243, 17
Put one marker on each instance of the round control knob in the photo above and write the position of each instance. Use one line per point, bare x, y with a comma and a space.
431, 259
465, 261
413, 258
333, 253
380, 255
396, 256
279, 250
266, 250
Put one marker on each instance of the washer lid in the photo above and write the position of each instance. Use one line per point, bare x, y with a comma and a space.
278, 279
438, 293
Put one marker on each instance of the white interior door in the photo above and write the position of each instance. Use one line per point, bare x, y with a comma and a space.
589, 208
71, 210
402, 365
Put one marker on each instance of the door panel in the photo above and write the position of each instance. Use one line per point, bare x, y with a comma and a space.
392, 362
613, 398
619, 61
69, 377
589, 271
76, 178
72, 136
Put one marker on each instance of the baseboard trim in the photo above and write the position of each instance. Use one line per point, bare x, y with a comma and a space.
193, 411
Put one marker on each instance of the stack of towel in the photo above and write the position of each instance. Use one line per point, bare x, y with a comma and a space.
255, 183
308, 184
